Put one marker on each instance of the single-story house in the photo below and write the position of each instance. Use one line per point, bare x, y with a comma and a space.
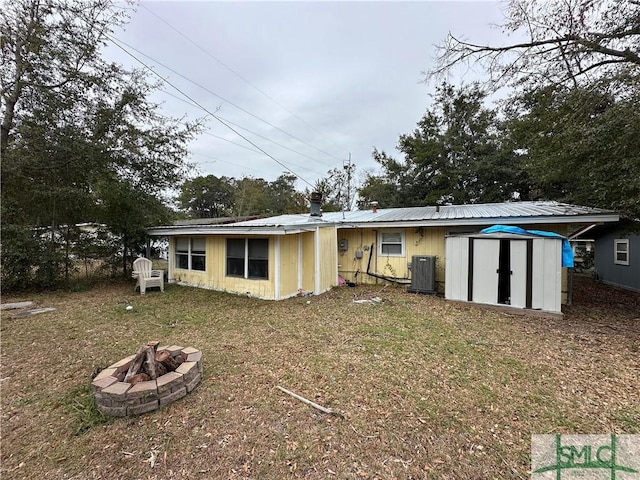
279, 257
617, 254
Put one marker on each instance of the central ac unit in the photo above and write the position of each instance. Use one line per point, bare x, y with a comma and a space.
423, 274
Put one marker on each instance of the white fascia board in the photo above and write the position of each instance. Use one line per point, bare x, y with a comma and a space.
182, 231
485, 221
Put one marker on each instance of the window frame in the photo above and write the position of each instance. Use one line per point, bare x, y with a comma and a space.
616, 250
190, 253
248, 259
382, 243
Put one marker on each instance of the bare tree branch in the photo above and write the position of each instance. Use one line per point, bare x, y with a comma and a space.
567, 40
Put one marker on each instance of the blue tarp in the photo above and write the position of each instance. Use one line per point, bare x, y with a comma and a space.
567, 251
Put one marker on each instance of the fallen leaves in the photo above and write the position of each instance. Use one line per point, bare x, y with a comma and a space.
428, 389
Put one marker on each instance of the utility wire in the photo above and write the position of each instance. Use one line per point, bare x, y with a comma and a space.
212, 93
254, 133
216, 160
197, 45
232, 143
117, 44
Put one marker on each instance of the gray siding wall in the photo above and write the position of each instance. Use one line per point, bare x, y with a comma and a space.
626, 276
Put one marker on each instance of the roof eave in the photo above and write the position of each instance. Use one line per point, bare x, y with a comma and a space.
181, 231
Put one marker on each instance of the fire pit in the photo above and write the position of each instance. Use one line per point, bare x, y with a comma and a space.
150, 379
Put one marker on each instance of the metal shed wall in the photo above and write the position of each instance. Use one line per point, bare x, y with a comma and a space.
473, 263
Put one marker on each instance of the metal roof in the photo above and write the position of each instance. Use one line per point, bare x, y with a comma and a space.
477, 211
212, 221
446, 215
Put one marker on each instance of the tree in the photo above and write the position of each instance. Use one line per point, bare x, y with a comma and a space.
75, 128
574, 114
337, 189
381, 188
282, 196
565, 42
127, 210
256, 196
250, 196
207, 197
455, 156
580, 146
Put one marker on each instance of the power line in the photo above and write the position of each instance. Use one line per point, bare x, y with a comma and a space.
117, 44
250, 149
197, 45
254, 133
216, 160
212, 93
232, 143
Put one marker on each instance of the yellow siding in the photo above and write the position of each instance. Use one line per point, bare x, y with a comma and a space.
328, 275
418, 241
215, 275
308, 261
288, 265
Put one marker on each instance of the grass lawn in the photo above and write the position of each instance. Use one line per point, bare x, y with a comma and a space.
428, 389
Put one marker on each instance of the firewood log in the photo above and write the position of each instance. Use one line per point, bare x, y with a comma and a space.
164, 357
139, 377
136, 364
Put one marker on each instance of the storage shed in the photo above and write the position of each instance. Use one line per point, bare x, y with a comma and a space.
522, 271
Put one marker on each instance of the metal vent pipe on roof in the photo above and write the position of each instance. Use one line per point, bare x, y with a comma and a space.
316, 203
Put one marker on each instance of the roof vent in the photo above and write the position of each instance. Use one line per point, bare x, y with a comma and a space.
316, 203
374, 207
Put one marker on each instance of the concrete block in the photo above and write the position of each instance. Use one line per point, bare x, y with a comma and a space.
142, 408
103, 382
193, 383
143, 389
107, 372
117, 390
169, 382
173, 396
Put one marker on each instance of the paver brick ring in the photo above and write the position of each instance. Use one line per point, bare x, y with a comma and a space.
117, 397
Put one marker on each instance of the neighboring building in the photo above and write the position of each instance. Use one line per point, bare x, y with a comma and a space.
617, 254
583, 245
278, 257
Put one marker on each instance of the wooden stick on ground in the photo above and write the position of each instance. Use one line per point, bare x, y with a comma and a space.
310, 403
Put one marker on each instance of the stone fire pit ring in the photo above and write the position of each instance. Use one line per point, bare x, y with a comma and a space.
121, 399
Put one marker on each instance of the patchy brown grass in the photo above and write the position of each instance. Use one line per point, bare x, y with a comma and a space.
428, 389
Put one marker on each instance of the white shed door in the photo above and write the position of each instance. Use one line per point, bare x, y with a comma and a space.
518, 262
547, 274
456, 271
486, 254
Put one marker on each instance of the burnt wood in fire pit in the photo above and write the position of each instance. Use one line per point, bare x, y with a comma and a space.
141, 393
150, 362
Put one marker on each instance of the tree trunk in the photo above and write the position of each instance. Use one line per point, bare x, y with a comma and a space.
124, 255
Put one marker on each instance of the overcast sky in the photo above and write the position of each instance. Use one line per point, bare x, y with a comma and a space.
320, 79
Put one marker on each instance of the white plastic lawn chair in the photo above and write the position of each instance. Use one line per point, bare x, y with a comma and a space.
145, 276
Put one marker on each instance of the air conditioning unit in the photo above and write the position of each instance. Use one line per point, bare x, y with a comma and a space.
423, 274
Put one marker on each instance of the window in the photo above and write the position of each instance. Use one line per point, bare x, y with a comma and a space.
248, 257
621, 251
191, 253
391, 244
